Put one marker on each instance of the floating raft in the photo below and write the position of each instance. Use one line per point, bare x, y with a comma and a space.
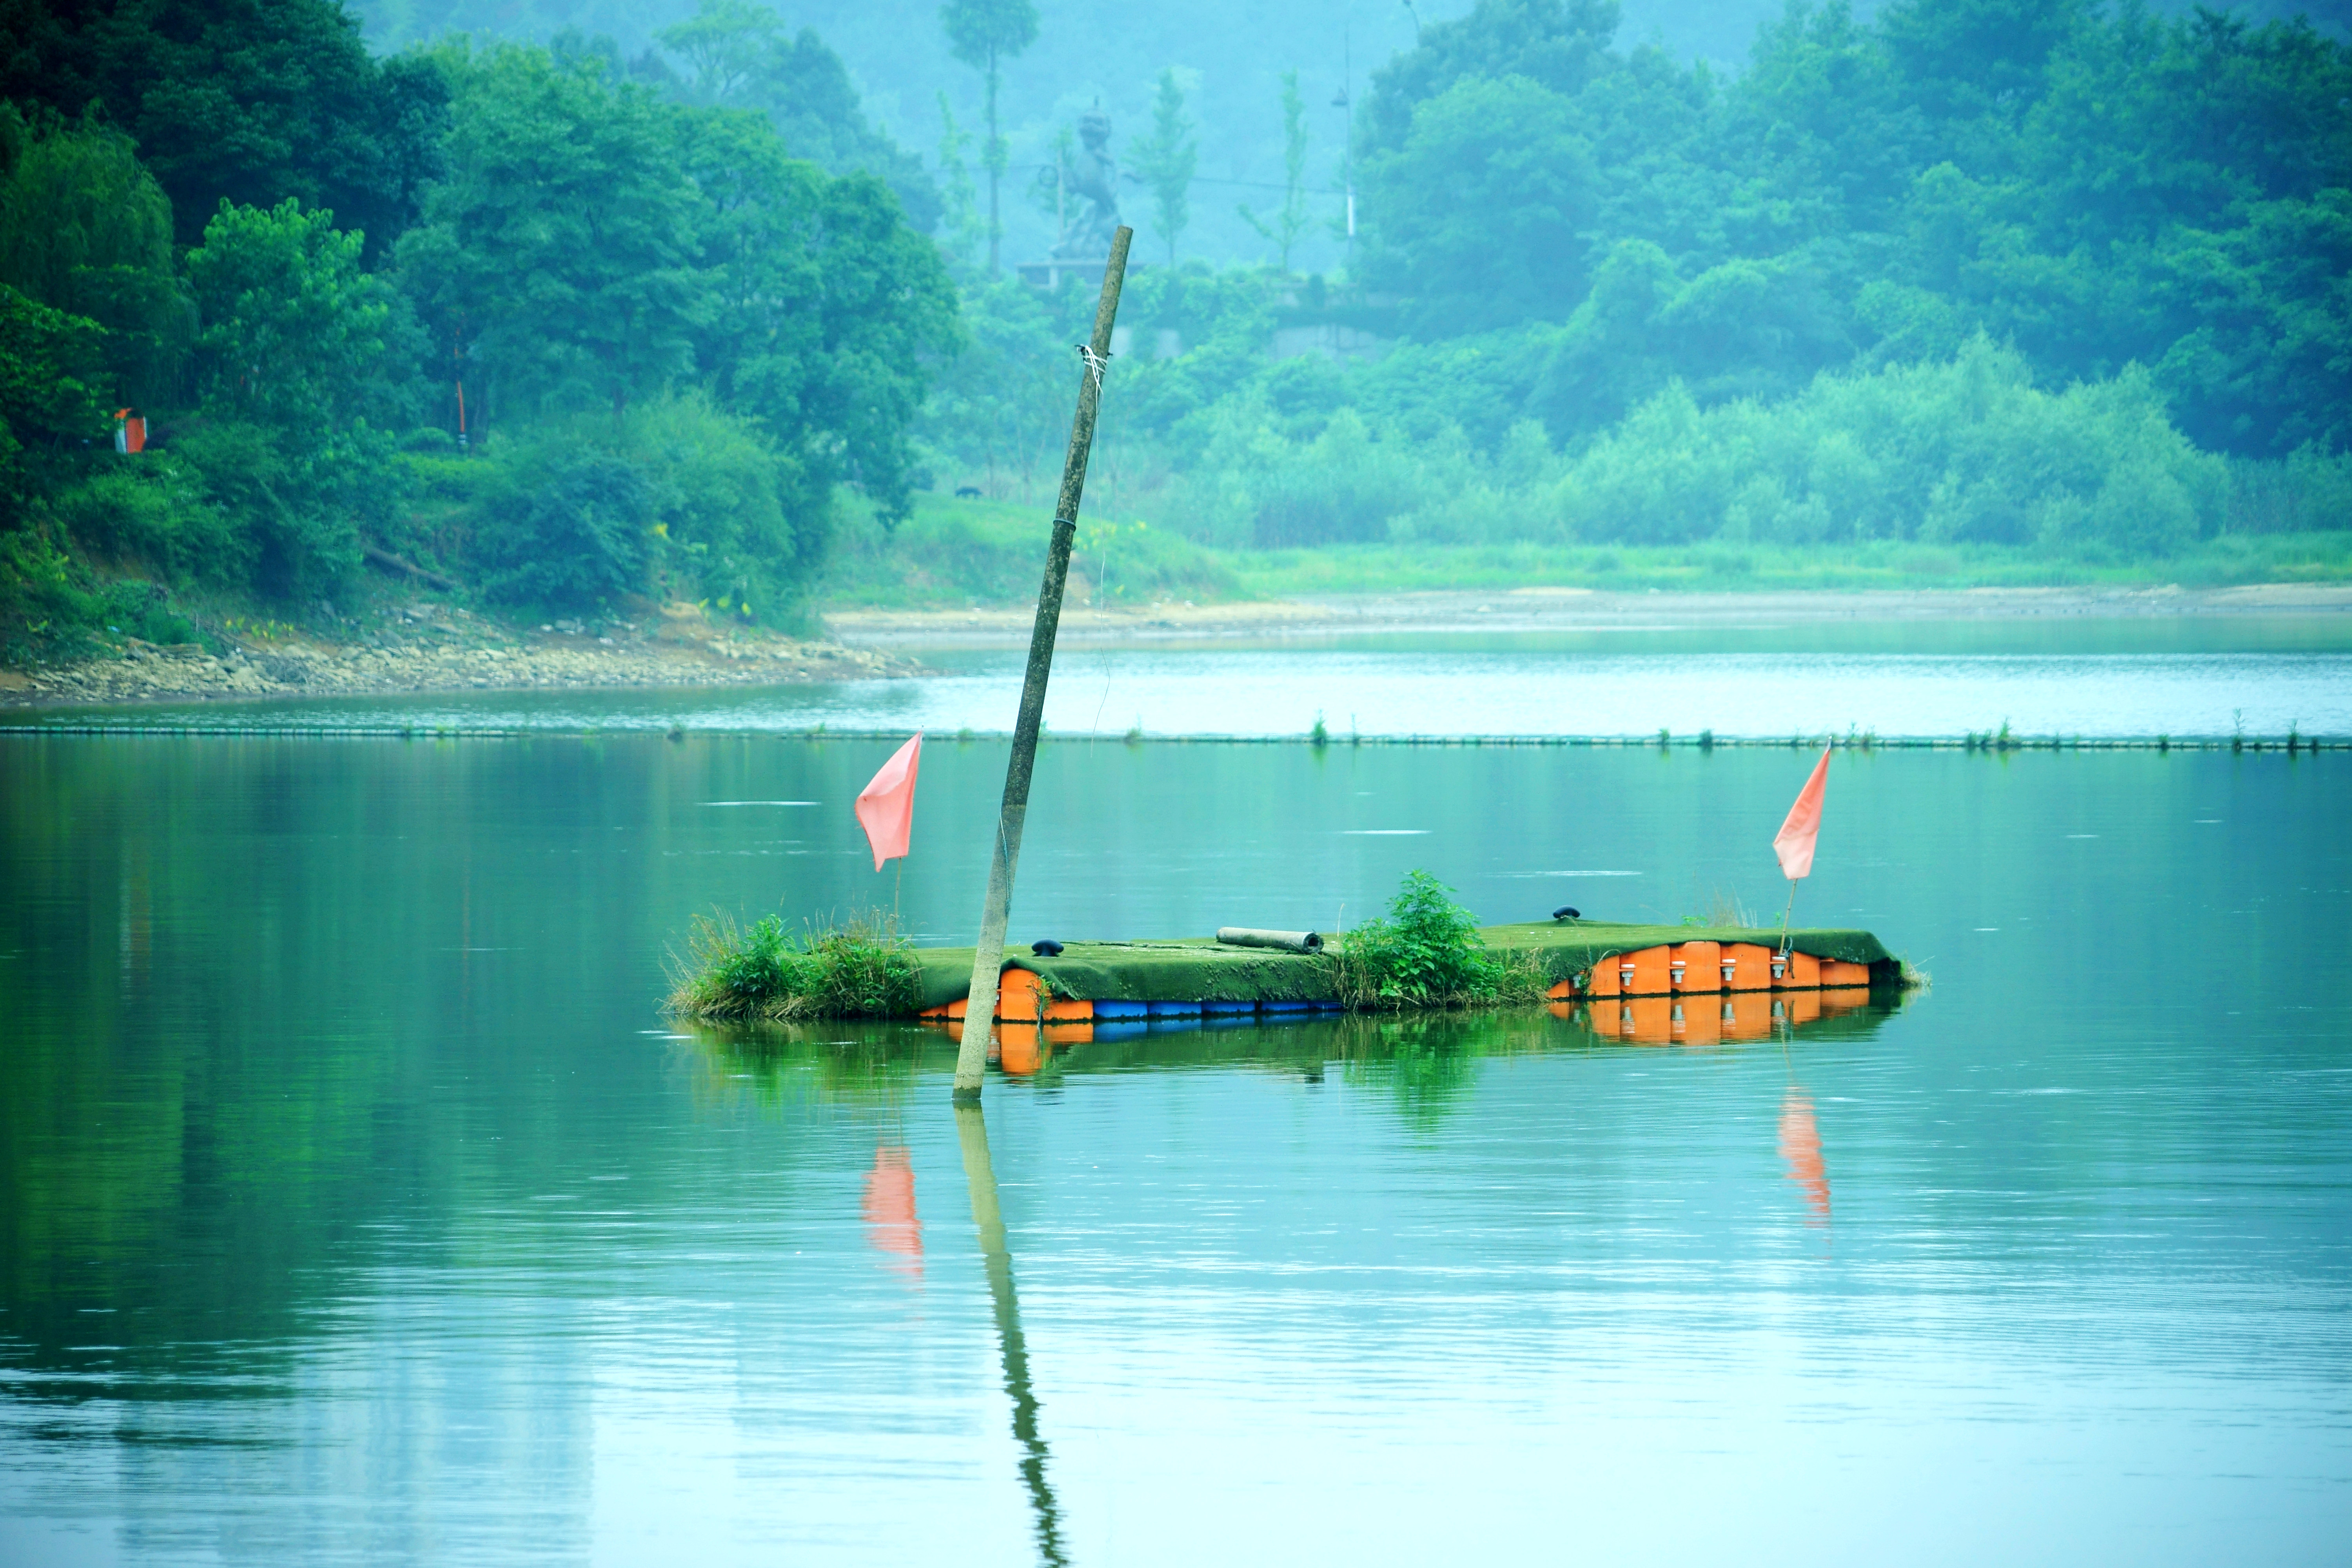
1586, 961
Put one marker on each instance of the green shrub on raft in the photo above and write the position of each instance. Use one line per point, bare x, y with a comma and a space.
1426, 952
865, 969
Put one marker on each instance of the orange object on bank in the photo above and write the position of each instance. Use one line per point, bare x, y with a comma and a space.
1837, 972
1649, 972
1699, 966
1801, 972
1751, 966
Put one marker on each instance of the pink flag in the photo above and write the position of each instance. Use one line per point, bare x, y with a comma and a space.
886, 807
1794, 843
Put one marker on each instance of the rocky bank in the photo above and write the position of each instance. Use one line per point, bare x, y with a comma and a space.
445, 649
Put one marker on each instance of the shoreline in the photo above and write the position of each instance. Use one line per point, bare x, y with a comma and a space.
452, 650
448, 650
1519, 610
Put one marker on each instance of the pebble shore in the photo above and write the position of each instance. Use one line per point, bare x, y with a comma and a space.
454, 652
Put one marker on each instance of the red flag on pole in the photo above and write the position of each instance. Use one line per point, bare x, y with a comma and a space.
1794, 843
886, 807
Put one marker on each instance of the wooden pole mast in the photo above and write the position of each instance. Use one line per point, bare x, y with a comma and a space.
988, 955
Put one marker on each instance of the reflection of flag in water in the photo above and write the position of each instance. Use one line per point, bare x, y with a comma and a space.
890, 1207
1800, 1147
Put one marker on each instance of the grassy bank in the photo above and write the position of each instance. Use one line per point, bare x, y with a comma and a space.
955, 550
953, 553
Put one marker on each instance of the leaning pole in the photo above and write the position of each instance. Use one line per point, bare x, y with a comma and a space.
988, 953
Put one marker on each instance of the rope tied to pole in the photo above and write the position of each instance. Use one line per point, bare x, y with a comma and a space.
1095, 364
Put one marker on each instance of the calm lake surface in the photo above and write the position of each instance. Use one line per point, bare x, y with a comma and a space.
357, 1203
2146, 677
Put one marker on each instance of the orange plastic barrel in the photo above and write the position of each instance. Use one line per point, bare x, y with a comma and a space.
1837, 972
1649, 972
1602, 979
1748, 966
1701, 966
1562, 991
1803, 973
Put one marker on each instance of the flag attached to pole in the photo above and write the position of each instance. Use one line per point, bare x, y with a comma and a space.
1794, 843
886, 807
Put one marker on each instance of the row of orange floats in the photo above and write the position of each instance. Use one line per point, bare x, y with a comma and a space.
1700, 967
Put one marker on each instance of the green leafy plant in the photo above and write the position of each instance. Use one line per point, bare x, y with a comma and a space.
1426, 952
864, 968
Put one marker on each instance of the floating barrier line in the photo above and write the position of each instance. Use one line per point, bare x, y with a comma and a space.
1985, 743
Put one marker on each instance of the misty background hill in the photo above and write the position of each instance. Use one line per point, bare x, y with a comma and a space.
1230, 54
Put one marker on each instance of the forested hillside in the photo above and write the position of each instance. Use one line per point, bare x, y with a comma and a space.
586, 321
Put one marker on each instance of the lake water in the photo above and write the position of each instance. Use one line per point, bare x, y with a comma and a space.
2182, 676
357, 1203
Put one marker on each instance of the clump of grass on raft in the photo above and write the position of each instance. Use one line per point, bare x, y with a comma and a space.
1426, 952
863, 969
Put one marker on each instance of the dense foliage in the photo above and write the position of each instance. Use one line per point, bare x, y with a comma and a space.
570, 330
571, 325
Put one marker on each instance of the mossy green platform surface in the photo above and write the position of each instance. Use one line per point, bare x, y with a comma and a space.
1198, 969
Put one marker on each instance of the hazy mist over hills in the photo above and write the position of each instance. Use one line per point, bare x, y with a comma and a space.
1230, 53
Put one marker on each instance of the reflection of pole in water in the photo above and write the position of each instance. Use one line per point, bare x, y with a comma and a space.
1800, 1148
891, 1223
980, 1177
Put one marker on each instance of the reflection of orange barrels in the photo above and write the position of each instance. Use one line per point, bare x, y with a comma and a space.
1603, 978
1698, 1021
1648, 972
1076, 1033
1019, 1049
1748, 1015
1647, 1020
1700, 965
1837, 972
1803, 972
1747, 966
1561, 1010
1804, 1007
1562, 991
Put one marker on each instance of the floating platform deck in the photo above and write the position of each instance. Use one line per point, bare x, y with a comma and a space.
1586, 961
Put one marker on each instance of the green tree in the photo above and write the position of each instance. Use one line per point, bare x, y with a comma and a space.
53, 384
1291, 221
738, 55
84, 229
982, 34
824, 311
247, 101
960, 222
1558, 43
562, 245
1165, 160
1481, 215
293, 330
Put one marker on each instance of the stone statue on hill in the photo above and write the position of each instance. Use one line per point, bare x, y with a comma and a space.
1093, 177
